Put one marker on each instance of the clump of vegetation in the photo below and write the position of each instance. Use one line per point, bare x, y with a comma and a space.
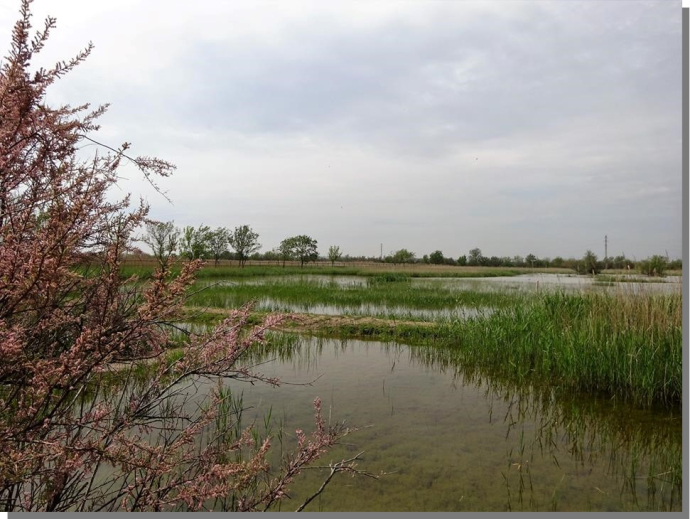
388, 277
624, 345
654, 266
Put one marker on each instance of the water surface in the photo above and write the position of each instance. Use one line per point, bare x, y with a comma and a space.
454, 439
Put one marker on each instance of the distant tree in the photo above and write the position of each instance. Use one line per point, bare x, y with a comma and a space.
334, 254
304, 249
557, 262
272, 255
590, 263
654, 266
403, 256
245, 242
286, 250
676, 264
194, 243
162, 237
495, 261
518, 261
462, 260
506, 262
425, 259
436, 258
218, 243
475, 257
530, 260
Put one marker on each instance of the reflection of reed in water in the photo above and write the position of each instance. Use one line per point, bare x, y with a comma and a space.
641, 448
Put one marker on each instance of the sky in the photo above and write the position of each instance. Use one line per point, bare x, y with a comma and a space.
516, 127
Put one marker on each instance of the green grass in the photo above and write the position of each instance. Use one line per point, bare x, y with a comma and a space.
622, 346
234, 272
376, 298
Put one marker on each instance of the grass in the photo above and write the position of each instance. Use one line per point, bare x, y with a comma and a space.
225, 270
621, 345
384, 295
608, 280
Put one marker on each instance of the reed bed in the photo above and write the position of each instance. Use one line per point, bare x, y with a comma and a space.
377, 295
209, 271
621, 344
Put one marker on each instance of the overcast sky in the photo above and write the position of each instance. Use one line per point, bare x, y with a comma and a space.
516, 127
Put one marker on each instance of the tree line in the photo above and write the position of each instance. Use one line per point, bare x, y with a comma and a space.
168, 241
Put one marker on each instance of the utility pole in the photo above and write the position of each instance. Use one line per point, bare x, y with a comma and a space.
606, 251
381, 256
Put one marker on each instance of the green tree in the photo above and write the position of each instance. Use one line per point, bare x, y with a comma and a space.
334, 254
194, 243
403, 256
218, 243
654, 266
590, 263
244, 242
304, 248
462, 260
475, 257
436, 258
286, 250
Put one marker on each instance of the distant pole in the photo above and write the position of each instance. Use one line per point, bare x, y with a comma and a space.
606, 251
381, 256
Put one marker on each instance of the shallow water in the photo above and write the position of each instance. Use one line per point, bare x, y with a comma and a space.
382, 311
631, 283
570, 282
452, 439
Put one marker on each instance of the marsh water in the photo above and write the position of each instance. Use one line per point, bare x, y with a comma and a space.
536, 281
450, 438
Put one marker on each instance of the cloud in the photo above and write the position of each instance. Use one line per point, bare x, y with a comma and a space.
513, 126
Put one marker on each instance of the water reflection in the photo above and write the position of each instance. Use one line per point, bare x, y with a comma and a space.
459, 439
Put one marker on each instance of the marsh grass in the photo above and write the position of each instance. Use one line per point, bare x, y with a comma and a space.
381, 293
623, 345
144, 271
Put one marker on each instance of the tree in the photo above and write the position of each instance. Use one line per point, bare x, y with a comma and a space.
403, 256
162, 237
436, 258
654, 266
72, 436
475, 257
286, 249
194, 243
590, 263
217, 243
334, 254
245, 242
530, 259
462, 260
301, 247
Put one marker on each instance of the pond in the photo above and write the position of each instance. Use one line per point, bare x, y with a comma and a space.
454, 439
